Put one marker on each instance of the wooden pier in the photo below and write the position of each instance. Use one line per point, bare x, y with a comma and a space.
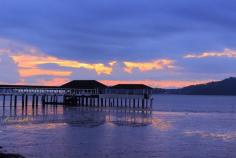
85, 93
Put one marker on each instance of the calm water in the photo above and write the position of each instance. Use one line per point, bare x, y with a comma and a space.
179, 126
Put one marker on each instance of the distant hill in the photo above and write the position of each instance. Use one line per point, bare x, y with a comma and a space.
159, 91
224, 87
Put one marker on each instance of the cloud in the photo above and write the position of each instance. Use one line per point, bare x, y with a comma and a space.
148, 66
29, 72
8, 69
229, 53
102, 31
112, 63
33, 61
156, 83
28, 63
25, 64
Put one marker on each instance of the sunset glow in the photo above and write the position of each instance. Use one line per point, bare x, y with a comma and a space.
112, 47
117, 78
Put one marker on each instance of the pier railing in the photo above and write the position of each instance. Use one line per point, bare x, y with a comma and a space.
42, 91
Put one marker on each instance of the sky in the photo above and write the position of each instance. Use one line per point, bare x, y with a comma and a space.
161, 43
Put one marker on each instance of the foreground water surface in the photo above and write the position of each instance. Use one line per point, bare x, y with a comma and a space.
179, 126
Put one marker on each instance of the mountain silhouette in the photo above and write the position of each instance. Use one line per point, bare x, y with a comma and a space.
224, 87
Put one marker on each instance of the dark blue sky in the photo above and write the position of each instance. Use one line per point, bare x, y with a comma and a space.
138, 31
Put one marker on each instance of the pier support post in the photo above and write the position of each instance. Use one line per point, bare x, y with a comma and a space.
51, 99
125, 102
93, 102
90, 101
138, 103
86, 99
47, 98
37, 100
10, 100
117, 102
79, 99
142, 103
43, 100
151, 103
109, 102
134, 103
146, 103
104, 102
101, 102
15, 101
56, 100
33, 100
98, 99
26, 100
23, 100
105, 99
82, 101
4, 99
129, 103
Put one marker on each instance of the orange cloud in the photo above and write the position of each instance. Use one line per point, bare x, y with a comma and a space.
36, 72
112, 63
28, 63
148, 66
226, 53
155, 83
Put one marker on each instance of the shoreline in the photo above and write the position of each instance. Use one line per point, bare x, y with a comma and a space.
4, 154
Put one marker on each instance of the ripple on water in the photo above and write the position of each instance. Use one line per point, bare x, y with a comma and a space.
224, 136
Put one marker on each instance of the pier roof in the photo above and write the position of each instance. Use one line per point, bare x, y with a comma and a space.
84, 84
131, 86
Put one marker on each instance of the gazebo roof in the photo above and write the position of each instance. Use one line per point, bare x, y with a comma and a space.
84, 84
131, 86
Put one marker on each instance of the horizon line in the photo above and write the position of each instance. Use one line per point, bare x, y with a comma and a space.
109, 83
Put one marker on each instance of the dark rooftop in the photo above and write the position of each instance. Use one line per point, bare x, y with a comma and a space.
84, 84
131, 86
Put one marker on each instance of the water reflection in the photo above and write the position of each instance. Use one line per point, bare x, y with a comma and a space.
224, 136
74, 116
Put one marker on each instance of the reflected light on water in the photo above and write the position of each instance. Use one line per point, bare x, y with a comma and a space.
224, 136
41, 126
160, 124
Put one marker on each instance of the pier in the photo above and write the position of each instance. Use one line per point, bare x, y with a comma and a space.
84, 93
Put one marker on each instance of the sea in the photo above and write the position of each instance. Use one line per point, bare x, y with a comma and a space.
178, 126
